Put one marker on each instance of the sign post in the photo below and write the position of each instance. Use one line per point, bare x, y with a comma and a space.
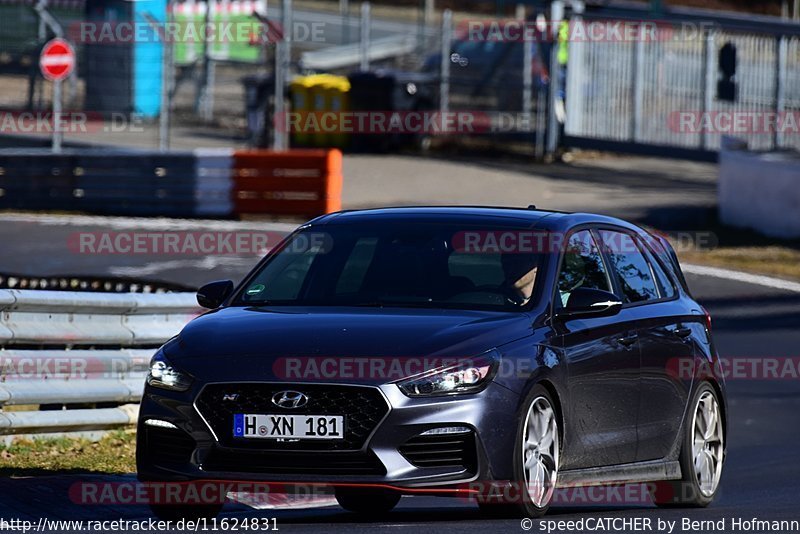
57, 62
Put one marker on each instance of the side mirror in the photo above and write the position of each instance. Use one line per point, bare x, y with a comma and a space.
585, 303
213, 294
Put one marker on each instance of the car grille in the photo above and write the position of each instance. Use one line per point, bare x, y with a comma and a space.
442, 450
294, 463
167, 446
362, 407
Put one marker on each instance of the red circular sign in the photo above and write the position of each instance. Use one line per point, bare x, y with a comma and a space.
57, 60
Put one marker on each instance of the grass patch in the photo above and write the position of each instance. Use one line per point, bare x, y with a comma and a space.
773, 260
745, 250
113, 454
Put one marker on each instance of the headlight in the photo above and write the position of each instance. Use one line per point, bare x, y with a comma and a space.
164, 375
468, 376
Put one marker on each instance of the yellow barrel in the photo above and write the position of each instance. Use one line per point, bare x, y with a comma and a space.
319, 105
302, 104
336, 90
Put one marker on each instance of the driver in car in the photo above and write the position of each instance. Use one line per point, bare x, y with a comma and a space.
520, 276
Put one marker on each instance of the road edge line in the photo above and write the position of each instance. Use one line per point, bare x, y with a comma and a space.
739, 276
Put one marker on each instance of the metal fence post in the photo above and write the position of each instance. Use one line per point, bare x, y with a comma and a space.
556, 16
430, 10
575, 82
57, 134
288, 35
424, 17
206, 93
637, 86
365, 29
282, 65
344, 13
444, 74
781, 54
167, 79
710, 71
527, 70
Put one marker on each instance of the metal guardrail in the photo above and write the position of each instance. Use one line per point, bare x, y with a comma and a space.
88, 283
350, 55
64, 349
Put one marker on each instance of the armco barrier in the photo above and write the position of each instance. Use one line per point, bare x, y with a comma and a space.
104, 344
202, 183
298, 182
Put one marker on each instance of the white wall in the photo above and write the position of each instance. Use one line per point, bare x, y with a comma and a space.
760, 191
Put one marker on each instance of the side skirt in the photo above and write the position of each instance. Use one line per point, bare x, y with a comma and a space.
621, 474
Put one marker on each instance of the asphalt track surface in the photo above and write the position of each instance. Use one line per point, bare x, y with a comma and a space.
761, 478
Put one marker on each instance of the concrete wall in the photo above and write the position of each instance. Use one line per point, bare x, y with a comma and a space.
760, 191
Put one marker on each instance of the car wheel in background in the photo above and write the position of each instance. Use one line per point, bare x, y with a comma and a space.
702, 454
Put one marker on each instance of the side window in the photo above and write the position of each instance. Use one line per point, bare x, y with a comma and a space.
665, 288
582, 266
630, 266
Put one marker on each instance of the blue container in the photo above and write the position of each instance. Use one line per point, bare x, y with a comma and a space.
124, 75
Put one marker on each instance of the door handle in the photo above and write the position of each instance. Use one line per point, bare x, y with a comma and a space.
682, 332
628, 341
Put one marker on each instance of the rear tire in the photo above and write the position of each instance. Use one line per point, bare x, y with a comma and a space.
367, 502
702, 455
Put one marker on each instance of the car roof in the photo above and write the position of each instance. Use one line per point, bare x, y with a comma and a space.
531, 217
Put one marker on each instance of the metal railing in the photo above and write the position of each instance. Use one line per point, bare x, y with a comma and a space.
660, 89
77, 361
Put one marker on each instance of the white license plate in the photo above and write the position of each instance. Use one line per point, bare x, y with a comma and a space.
268, 426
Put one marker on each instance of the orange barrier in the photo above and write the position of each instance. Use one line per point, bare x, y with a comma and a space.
296, 182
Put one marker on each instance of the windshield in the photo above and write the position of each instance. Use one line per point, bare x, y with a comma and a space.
422, 265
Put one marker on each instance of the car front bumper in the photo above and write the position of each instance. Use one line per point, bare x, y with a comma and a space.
393, 454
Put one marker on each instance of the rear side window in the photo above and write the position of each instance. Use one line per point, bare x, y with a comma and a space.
665, 288
630, 267
582, 266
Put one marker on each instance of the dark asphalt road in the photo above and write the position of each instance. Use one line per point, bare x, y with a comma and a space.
761, 477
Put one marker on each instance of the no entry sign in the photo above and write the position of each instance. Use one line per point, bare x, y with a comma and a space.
57, 60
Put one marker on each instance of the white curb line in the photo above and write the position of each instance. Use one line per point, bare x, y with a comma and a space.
738, 276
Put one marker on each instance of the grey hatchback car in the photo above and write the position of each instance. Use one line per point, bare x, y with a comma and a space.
499, 353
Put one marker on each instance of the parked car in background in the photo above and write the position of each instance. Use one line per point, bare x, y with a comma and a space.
487, 73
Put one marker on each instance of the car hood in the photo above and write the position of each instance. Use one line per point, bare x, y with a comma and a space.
278, 343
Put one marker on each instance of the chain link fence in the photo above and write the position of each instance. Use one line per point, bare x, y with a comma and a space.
504, 76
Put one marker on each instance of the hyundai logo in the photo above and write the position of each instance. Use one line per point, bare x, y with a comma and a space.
289, 399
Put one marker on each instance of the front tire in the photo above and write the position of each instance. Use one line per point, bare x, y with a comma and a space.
367, 502
702, 455
536, 459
